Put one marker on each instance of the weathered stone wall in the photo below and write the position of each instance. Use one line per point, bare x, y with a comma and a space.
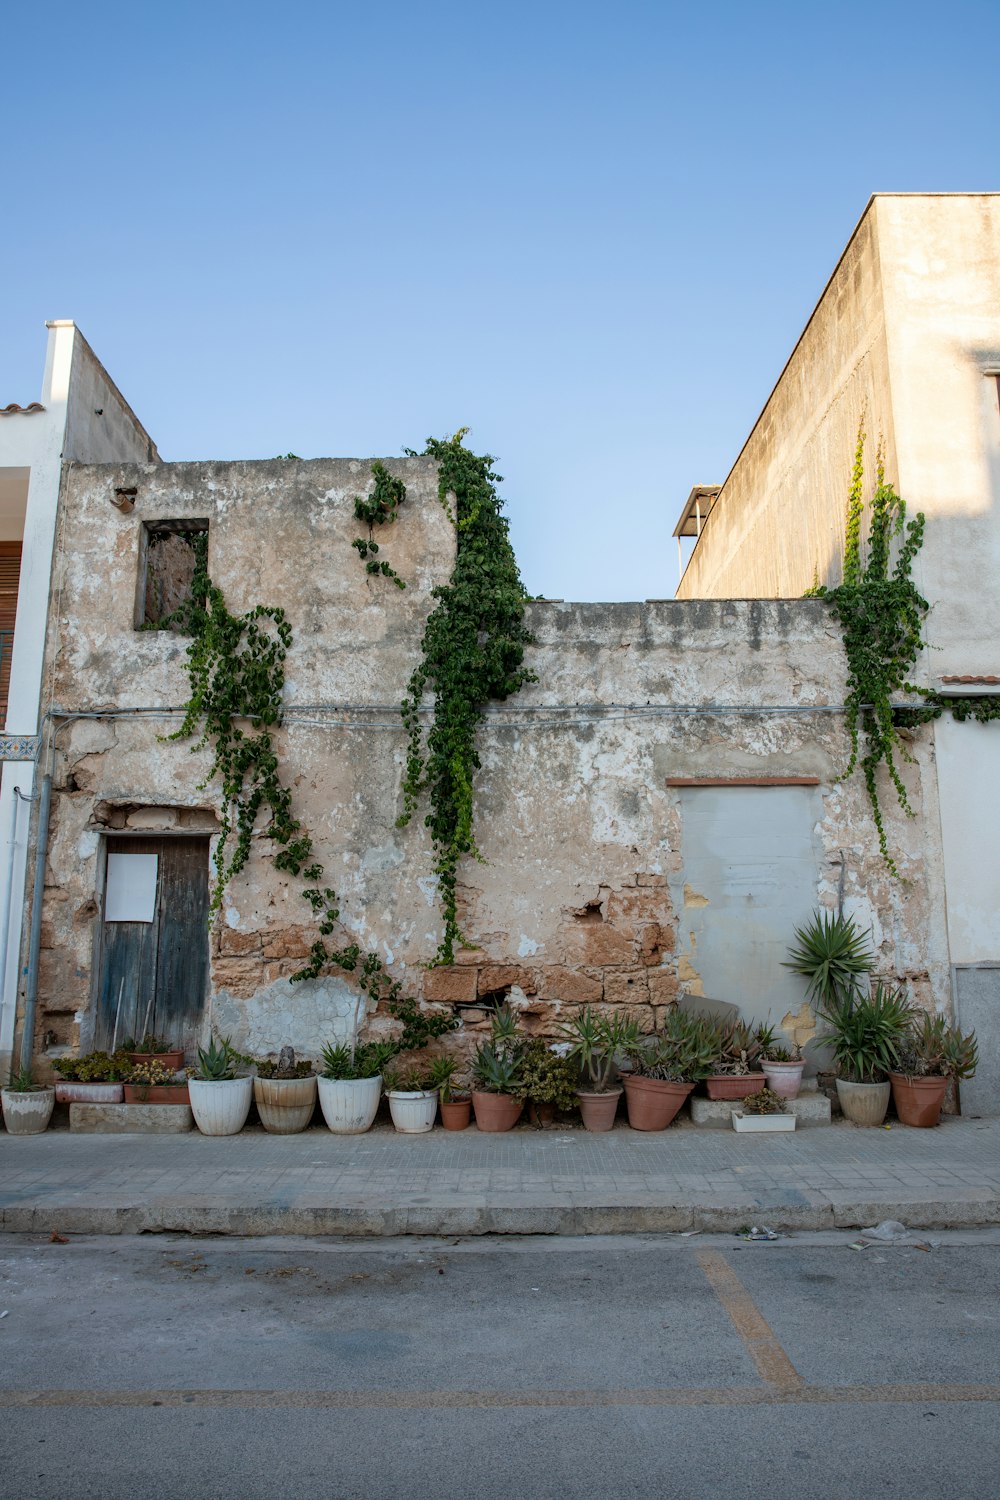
587, 821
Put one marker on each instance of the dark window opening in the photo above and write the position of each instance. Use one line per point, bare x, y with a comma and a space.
171, 553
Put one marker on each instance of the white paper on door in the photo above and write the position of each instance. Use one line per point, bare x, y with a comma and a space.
130, 895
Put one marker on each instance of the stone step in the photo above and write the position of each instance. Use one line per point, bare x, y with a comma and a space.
810, 1108
131, 1119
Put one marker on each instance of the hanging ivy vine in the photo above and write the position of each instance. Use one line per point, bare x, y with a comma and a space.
881, 614
472, 652
380, 508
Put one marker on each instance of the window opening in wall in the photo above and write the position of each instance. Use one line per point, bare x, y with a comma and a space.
167, 570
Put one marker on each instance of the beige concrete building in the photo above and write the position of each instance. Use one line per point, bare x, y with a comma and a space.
907, 335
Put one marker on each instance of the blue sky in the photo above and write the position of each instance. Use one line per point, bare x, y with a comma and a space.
590, 233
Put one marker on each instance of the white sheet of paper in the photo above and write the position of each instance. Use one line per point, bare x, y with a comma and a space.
131, 888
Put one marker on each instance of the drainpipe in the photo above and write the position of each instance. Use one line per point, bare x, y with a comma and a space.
15, 806
35, 940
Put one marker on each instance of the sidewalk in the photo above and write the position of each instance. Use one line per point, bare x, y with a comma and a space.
525, 1182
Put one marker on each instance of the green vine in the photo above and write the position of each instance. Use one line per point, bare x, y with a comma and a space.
473, 651
881, 615
380, 508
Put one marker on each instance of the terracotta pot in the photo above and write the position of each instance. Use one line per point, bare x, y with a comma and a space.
89, 1093
733, 1085
784, 1078
350, 1105
863, 1103
220, 1105
27, 1113
456, 1114
413, 1111
156, 1093
918, 1101
285, 1105
172, 1060
652, 1102
541, 1115
598, 1110
496, 1112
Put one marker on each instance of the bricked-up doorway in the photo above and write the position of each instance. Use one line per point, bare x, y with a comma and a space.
154, 971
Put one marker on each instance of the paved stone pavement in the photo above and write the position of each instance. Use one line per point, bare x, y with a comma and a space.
547, 1182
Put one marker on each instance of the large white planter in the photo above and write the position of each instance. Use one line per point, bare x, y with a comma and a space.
761, 1124
350, 1105
413, 1110
27, 1113
285, 1105
220, 1105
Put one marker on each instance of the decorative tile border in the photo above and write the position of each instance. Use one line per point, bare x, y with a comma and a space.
19, 746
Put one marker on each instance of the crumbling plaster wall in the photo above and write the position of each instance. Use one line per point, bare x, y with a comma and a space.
582, 896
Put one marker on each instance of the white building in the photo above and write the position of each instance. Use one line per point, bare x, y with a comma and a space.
80, 417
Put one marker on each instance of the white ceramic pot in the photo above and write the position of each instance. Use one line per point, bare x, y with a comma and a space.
90, 1093
350, 1105
27, 1113
413, 1110
285, 1105
220, 1105
761, 1124
784, 1078
863, 1103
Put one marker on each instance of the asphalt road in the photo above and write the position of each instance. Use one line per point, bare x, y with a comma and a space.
680, 1368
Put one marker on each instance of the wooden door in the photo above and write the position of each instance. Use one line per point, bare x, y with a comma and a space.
154, 974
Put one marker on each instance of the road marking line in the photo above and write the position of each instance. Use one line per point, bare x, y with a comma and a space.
770, 1359
756, 1395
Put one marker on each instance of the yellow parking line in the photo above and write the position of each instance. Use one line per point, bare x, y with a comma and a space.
770, 1359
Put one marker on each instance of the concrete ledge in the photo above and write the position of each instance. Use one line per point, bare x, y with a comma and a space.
131, 1119
180, 1217
810, 1108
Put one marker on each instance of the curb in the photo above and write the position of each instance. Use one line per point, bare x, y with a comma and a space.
176, 1216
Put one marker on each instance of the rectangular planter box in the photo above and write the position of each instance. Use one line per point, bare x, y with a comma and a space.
761, 1124
733, 1085
156, 1093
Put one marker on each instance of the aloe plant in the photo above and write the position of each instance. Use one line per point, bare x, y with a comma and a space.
684, 1050
215, 1062
495, 1070
932, 1048
595, 1041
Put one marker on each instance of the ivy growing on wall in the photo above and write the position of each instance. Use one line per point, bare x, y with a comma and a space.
472, 652
380, 508
881, 614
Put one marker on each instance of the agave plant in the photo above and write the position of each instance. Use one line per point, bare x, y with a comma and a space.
866, 1032
367, 1060
215, 1062
496, 1071
832, 955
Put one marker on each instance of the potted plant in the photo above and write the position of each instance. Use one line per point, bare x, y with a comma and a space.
548, 1081
412, 1099
595, 1041
782, 1067
931, 1055
220, 1102
831, 955
735, 1068
154, 1048
864, 1031
496, 1075
94, 1078
761, 1112
27, 1106
455, 1103
153, 1083
350, 1084
666, 1067
284, 1092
